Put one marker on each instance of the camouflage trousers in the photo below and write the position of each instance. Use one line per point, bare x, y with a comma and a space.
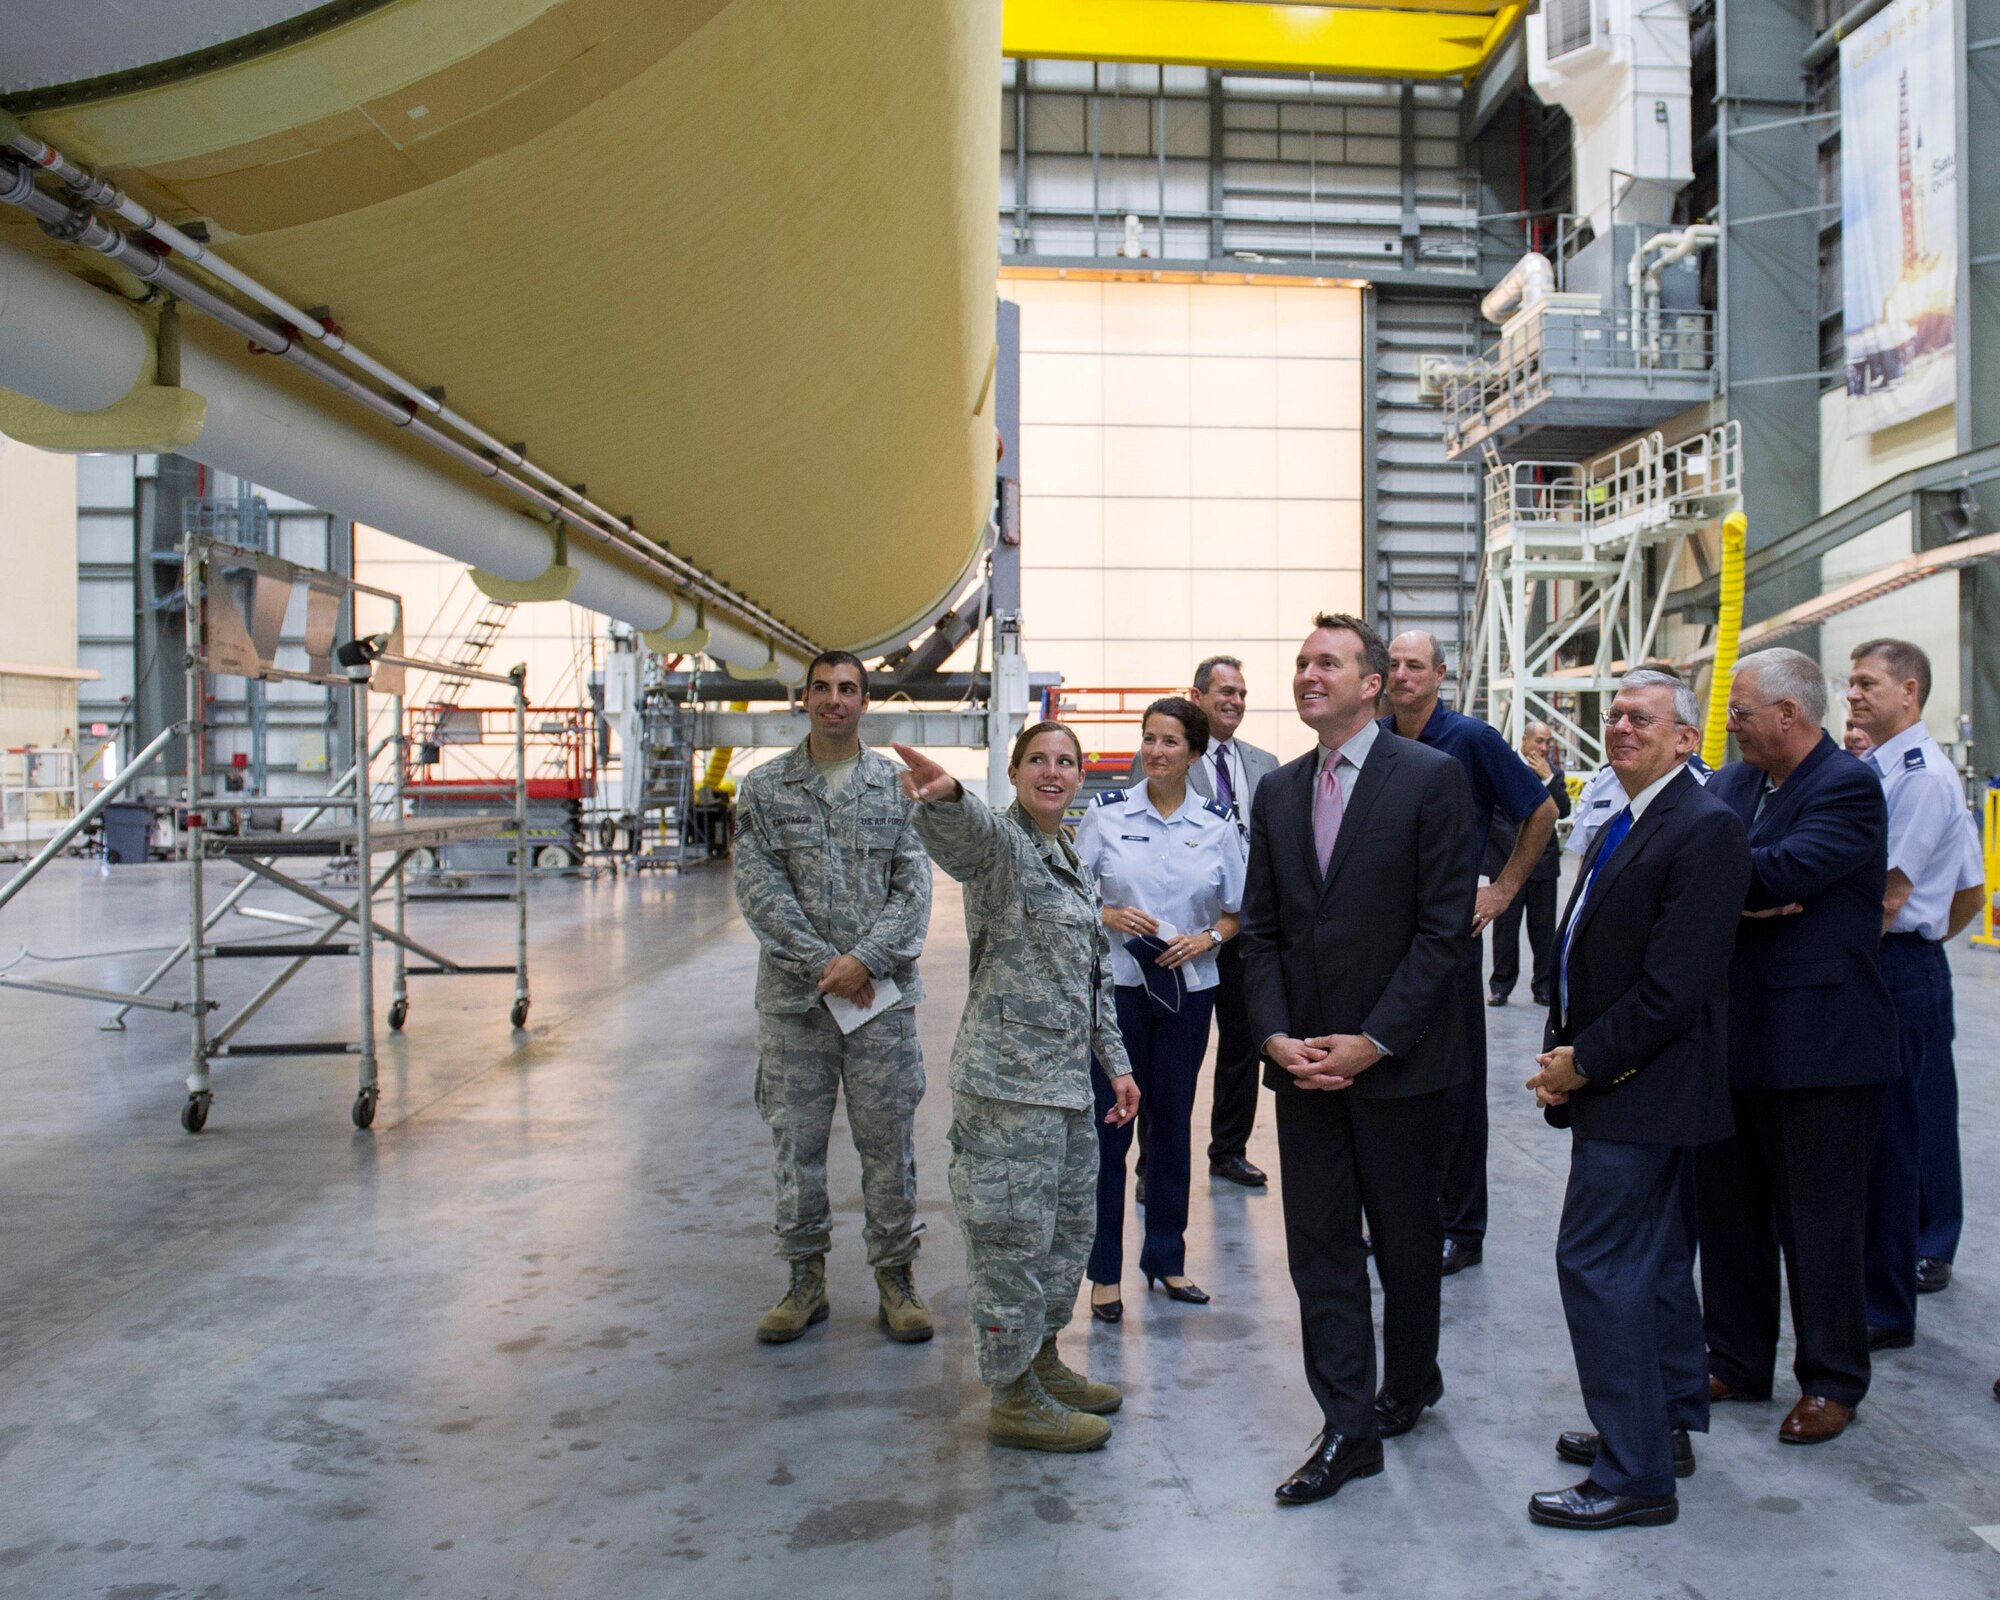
803, 1062
1024, 1185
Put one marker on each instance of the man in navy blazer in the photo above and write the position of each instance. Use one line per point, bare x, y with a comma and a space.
1812, 1042
1636, 1067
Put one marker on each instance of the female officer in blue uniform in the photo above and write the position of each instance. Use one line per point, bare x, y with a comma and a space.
1169, 867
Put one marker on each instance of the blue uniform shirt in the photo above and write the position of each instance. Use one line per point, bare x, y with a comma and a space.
1928, 828
1185, 870
1501, 780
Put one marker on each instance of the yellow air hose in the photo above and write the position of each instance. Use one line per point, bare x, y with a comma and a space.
1728, 630
718, 760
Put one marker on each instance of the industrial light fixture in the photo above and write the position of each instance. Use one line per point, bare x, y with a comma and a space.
1959, 516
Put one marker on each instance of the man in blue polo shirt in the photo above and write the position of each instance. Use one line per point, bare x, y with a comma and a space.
1503, 782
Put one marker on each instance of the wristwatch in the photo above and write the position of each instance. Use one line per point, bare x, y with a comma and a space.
1215, 938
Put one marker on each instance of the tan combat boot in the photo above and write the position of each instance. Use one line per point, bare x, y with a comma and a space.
1068, 1387
1025, 1418
904, 1316
803, 1305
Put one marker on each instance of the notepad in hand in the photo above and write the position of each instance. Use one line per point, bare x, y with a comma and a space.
849, 1016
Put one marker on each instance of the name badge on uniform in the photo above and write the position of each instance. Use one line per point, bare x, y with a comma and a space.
1135, 838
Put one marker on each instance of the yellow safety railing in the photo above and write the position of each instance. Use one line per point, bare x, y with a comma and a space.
1728, 633
1990, 833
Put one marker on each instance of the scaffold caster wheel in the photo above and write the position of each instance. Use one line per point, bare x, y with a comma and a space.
364, 1108
399, 1013
519, 1015
194, 1115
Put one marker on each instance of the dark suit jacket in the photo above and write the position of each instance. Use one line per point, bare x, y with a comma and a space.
1649, 974
1807, 1005
1376, 945
1500, 839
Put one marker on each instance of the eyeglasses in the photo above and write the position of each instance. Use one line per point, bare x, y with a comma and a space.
1745, 713
1639, 721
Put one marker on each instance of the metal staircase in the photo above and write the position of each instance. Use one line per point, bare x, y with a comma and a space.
469, 656
1425, 506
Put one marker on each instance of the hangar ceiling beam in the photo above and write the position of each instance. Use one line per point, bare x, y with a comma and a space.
1420, 39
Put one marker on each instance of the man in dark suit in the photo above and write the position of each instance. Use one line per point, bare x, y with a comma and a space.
1636, 1067
1812, 1042
1355, 917
1536, 903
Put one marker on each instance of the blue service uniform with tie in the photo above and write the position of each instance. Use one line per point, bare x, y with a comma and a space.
1915, 1199
1185, 871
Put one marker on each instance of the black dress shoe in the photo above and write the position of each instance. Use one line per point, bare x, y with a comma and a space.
1457, 1257
1108, 1310
1890, 1339
1933, 1274
1590, 1505
1335, 1459
1238, 1170
1581, 1448
1496, 1000
1189, 1293
1395, 1418
1541, 998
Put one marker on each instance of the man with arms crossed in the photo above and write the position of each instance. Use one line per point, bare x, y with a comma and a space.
1812, 1041
1360, 892
834, 882
1636, 1068
1501, 781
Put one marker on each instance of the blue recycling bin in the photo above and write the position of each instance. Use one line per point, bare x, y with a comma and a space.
128, 831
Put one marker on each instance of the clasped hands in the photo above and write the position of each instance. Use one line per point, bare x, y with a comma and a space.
1136, 924
1558, 1079
1331, 1061
848, 978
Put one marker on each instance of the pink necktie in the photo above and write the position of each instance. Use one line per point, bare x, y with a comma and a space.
1327, 810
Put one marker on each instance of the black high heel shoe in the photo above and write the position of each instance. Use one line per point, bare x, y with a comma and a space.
1108, 1310
1189, 1293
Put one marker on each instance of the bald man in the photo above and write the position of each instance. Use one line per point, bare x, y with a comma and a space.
1502, 783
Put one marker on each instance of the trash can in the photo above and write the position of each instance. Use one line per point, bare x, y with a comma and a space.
128, 831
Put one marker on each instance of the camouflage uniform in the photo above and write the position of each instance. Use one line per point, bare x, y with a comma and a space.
1024, 1151
818, 878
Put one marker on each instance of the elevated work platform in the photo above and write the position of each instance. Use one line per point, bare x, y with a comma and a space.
1567, 382
1577, 567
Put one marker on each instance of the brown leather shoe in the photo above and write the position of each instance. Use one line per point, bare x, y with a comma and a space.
1814, 1421
1718, 1391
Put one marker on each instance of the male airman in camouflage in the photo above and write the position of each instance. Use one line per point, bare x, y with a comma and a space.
832, 879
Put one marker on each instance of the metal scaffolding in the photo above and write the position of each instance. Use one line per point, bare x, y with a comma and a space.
1579, 563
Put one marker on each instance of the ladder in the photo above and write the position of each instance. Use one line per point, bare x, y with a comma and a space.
667, 801
470, 656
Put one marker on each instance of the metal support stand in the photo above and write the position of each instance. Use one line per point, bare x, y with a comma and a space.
226, 637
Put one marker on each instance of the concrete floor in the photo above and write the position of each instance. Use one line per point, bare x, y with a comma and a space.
501, 1346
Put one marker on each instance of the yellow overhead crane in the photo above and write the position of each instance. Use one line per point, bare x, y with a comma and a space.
1389, 39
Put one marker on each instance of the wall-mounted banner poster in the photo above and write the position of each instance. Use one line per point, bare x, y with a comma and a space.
1899, 213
